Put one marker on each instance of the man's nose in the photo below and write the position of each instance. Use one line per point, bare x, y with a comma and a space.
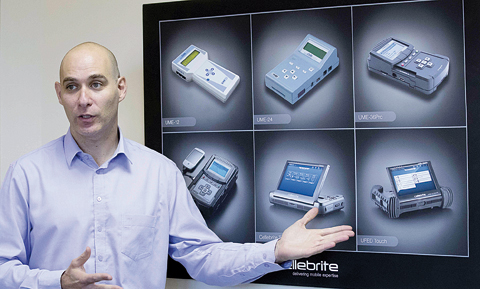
85, 98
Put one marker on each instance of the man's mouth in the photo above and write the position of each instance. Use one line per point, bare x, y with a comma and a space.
86, 116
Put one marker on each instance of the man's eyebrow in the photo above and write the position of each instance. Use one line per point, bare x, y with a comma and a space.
93, 76
67, 79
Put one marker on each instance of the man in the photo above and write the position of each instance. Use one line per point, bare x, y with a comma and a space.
123, 205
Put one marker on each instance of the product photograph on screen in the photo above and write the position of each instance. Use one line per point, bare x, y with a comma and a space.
211, 186
414, 187
409, 65
193, 64
206, 74
298, 170
300, 186
302, 76
219, 177
412, 194
300, 72
401, 62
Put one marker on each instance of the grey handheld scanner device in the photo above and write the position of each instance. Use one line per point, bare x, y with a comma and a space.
399, 61
212, 184
415, 187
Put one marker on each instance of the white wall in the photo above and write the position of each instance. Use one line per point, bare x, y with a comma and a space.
34, 36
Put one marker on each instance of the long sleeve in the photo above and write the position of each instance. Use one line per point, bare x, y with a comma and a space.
14, 238
204, 255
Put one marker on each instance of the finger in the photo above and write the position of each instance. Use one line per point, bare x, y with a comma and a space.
327, 246
80, 260
312, 213
327, 232
96, 277
331, 240
318, 248
337, 229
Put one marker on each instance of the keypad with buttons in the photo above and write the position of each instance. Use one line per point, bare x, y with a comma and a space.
418, 59
410, 58
210, 73
206, 188
294, 70
424, 62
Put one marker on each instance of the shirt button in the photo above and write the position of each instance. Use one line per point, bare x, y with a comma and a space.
99, 199
267, 266
100, 258
264, 256
99, 229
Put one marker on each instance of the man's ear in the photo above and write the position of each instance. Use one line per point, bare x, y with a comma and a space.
58, 90
122, 88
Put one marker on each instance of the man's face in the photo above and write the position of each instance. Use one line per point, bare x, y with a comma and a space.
90, 91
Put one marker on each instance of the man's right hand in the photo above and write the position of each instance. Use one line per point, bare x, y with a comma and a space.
75, 276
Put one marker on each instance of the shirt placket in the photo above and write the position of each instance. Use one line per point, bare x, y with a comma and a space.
100, 213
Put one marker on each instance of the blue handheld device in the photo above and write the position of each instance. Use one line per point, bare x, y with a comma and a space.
303, 69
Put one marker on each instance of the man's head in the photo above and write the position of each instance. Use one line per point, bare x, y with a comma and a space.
90, 89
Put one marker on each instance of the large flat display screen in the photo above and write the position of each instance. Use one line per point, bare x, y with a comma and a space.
360, 122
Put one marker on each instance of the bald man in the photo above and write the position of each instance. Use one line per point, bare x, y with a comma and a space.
124, 206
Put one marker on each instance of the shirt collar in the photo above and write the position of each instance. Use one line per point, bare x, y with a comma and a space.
122, 148
72, 149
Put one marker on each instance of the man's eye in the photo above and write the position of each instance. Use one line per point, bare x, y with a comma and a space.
71, 87
96, 84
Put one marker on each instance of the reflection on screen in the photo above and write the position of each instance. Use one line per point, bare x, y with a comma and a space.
392, 49
219, 169
315, 50
413, 179
300, 179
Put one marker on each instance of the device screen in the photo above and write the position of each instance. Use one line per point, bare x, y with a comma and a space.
412, 179
190, 57
219, 168
195, 156
392, 49
315, 50
301, 179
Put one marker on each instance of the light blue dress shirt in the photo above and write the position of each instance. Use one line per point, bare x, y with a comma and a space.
132, 211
